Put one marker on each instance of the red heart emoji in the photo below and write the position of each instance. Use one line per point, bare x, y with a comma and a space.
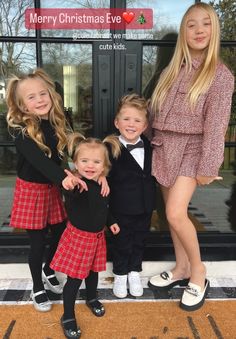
128, 17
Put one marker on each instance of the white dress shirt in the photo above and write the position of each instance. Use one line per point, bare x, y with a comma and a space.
137, 153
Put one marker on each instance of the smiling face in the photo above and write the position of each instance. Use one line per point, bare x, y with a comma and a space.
35, 97
90, 161
131, 122
198, 31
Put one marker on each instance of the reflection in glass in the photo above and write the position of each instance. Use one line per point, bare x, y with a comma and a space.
155, 59
167, 15
79, 33
12, 17
226, 11
16, 58
71, 68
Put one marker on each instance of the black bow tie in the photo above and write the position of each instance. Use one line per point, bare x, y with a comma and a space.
130, 147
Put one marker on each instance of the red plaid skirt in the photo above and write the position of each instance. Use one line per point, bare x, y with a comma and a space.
36, 205
79, 252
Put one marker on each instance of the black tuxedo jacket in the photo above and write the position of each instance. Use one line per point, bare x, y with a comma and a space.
132, 188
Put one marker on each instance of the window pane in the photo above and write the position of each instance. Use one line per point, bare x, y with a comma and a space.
13, 18
79, 33
71, 68
16, 58
167, 15
226, 11
155, 59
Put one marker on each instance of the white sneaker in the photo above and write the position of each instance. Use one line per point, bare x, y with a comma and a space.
135, 284
120, 286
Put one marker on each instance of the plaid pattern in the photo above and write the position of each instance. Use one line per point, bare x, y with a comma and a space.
79, 252
36, 205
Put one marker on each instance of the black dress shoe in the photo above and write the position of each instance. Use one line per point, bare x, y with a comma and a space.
96, 307
69, 333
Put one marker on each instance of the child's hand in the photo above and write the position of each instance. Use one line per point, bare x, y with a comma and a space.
202, 180
71, 181
105, 188
115, 228
68, 183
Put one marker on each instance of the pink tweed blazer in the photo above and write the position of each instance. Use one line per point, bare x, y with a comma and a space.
209, 118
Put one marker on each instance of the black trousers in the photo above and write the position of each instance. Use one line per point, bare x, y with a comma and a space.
128, 245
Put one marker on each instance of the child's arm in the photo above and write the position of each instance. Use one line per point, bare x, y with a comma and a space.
217, 111
71, 181
42, 163
105, 190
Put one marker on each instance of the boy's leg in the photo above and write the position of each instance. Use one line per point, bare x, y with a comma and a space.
140, 230
121, 246
141, 225
121, 250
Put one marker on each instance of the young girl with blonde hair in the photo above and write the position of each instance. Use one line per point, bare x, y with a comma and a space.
81, 252
190, 111
37, 123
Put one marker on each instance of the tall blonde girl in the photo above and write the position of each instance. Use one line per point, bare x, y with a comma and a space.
38, 126
81, 252
190, 111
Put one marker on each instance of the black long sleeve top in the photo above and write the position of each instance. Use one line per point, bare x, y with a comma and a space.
89, 210
33, 164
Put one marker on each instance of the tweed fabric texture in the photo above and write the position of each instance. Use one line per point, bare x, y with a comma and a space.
177, 127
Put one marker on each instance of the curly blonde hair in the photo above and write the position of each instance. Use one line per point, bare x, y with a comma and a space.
29, 124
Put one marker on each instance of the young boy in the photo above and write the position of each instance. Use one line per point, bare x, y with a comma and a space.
132, 198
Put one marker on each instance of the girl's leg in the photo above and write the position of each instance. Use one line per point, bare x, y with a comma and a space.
91, 283
69, 296
37, 248
92, 302
182, 267
56, 232
183, 231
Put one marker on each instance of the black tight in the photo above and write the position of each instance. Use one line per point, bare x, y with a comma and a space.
37, 239
71, 289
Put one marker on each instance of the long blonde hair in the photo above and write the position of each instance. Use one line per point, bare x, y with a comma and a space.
77, 140
206, 72
29, 124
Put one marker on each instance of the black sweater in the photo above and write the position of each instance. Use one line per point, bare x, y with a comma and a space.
89, 210
33, 164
